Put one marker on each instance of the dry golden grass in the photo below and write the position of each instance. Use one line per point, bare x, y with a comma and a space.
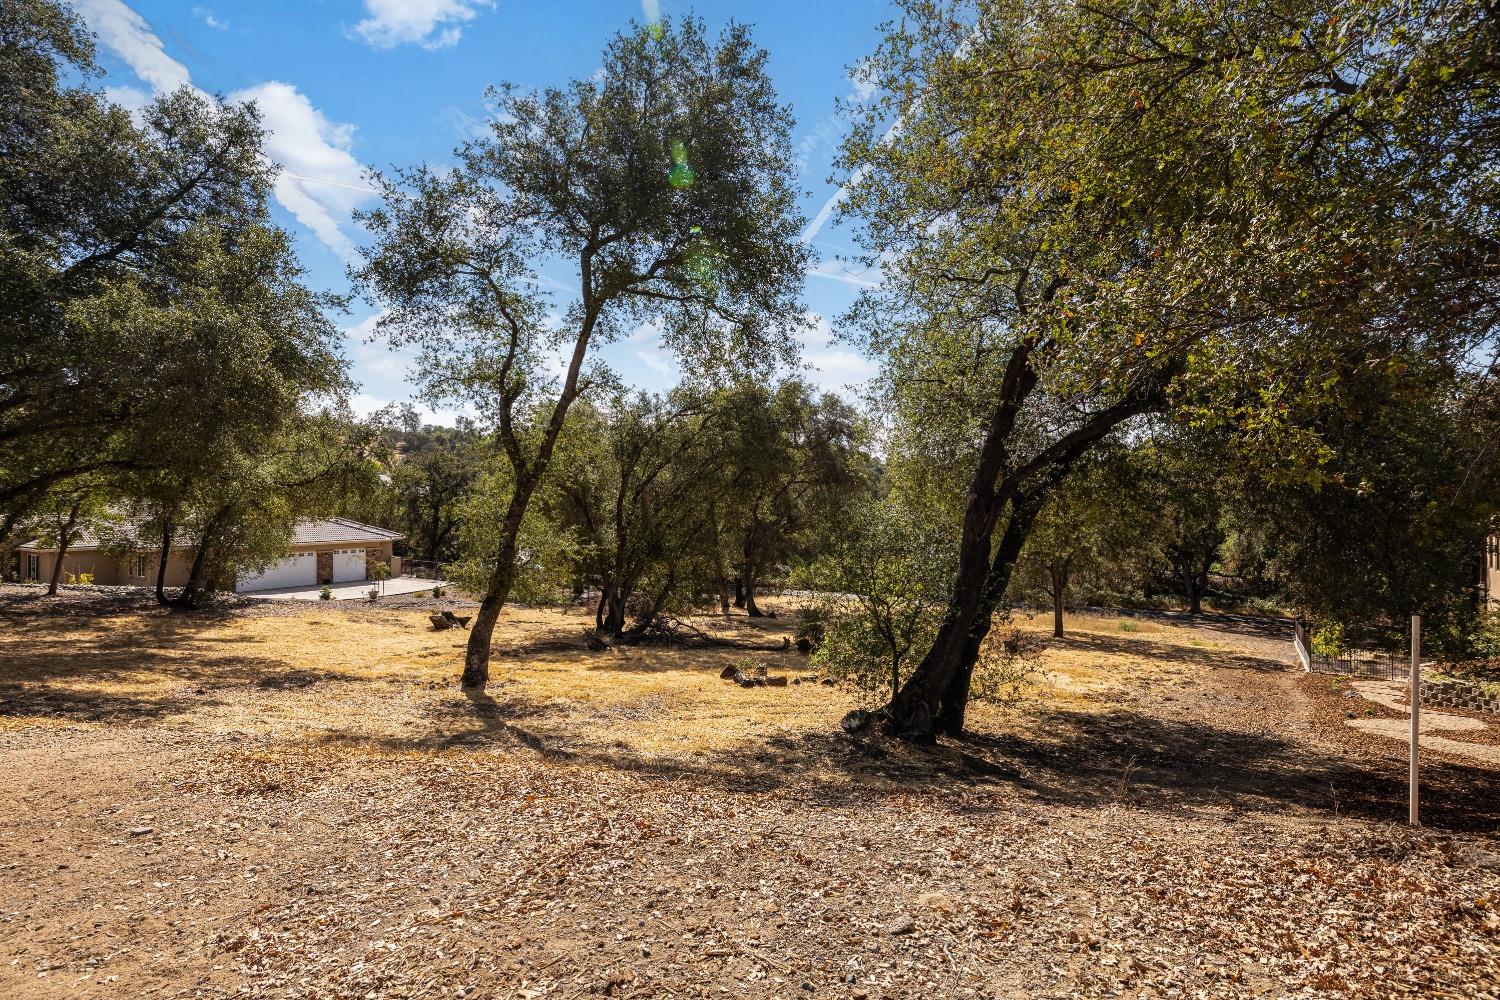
386, 679
1107, 660
320, 676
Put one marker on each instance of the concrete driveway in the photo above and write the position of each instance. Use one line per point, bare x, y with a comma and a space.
358, 590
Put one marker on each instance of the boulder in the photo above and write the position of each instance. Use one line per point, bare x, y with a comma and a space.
856, 721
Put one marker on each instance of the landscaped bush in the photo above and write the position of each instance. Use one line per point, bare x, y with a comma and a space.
1329, 640
325, 594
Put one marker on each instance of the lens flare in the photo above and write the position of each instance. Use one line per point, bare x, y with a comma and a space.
681, 175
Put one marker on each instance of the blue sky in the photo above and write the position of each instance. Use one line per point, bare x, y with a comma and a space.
349, 84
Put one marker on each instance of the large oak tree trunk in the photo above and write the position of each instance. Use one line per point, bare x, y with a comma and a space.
192, 590
613, 602
751, 608
161, 565
502, 577
65, 539
1059, 584
935, 697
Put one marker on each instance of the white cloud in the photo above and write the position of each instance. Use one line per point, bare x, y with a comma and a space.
650, 329
864, 81
658, 360
127, 35
813, 150
132, 99
837, 272
208, 17
321, 182
372, 354
832, 366
433, 24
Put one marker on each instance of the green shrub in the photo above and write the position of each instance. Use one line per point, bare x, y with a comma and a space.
325, 593
438, 592
1329, 640
812, 622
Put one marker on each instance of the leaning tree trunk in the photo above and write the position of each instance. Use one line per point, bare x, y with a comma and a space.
190, 594
935, 697
65, 539
161, 566
502, 577
653, 607
1059, 585
613, 600
192, 590
739, 591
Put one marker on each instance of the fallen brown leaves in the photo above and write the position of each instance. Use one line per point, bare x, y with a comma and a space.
375, 835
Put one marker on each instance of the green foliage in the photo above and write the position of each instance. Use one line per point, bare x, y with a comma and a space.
1087, 213
325, 593
545, 550
581, 174
1008, 658
1329, 640
154, 315
882, 587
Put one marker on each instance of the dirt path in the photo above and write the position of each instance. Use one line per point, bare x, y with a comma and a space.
217, 811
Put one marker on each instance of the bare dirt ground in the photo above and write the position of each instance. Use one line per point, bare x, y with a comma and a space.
280, 801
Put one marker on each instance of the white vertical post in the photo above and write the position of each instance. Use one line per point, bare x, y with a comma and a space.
1416, 712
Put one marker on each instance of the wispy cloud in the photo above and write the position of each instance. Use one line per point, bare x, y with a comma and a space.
432, 24
321, 182
862, 76
209, 18
863, 81
837, 272
127, 35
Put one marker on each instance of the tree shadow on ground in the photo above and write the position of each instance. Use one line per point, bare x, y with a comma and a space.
138, 666
1088, 759
1080, 759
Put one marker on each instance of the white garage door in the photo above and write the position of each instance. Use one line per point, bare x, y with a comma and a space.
348, 565
293, 571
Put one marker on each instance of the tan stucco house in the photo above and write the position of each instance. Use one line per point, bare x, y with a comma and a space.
330, 550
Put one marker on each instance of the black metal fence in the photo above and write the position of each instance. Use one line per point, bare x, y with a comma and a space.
1362, 663
423, 569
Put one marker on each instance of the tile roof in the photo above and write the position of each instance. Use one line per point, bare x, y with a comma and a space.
339, 529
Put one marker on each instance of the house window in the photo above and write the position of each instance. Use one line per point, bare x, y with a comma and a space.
33, 567
140, 565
